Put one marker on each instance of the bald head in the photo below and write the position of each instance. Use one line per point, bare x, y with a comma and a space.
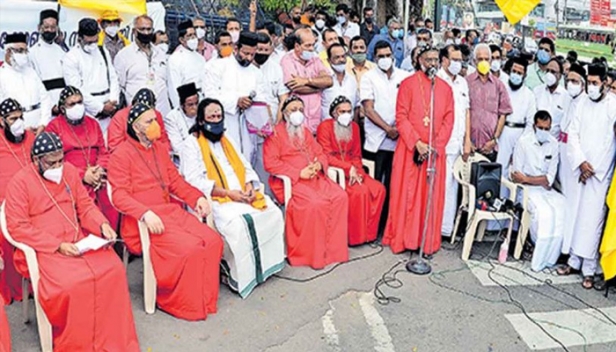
305, 41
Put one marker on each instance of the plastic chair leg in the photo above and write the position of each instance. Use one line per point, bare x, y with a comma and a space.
456, 225
481, 231
469, 237
25, 311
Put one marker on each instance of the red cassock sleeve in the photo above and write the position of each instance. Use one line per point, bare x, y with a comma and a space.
403, 110
327, 140
116, 133
177, 185
121, 178
272, 160
443, 132
90, 217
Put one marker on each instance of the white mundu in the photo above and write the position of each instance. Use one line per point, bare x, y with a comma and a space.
254, 243
47, 62
227, 81
591, 139
546, 207
566, 174
26, 87
93, 74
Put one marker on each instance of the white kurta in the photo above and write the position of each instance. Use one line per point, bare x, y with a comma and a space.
459, 86
26, 87
177, 125
591, 139
556, 103
47, 62
137, 70
566, 174
185, 66
524, 109
350, 31
96, 80
546, 207
347, 88
254, 243
227, 81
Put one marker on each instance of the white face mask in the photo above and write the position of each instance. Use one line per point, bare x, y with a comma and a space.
448, 41
542, 136
19, 61
458, 41
339, 68
164, 47
112, 31
296, 118
345, 119
235, 36
455, 67
319, 24
495, 66
307, 55
75, 112
385, 63
594, 92
89, 48
18, 128
192, 44
550, 79
341, 19
574, 89
200, 33
54, 175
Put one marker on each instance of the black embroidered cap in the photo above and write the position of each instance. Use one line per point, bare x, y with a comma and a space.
67, 92
8, 106
45, 143
145, 96
136, 111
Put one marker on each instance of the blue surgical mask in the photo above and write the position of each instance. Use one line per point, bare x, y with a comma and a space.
516, 79
543, 57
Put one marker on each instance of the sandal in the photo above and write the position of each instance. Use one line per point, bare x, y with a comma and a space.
599, 283
588, 281
565, 270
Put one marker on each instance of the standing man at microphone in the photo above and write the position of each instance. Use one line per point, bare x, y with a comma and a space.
424, 120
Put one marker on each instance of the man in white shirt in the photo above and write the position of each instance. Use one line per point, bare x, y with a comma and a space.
535, 162
524, 109
143, 65
88, 67
451, 64
553, 97
319, 27
182, 118
378, 91
19, 81
576, 87
496, 66
344, 84
46, 55
237, 83
234, 27
345, 28
186, 65
590, 149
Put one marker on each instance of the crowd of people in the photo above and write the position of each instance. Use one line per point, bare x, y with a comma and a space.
112, 133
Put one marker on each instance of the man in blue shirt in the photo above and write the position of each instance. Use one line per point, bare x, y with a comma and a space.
394, 37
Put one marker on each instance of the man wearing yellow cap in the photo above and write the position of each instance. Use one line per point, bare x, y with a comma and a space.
111, 38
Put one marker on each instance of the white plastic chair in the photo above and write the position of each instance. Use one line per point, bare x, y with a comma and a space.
334, 174
44, 327
337, 174
477, 219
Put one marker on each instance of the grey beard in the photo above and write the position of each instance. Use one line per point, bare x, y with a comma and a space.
295, 132
343, 134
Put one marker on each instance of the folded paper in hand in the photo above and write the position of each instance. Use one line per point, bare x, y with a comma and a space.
259, 118
91, 243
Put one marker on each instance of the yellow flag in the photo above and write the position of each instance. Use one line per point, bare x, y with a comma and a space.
608, 243
515, 10
136, 7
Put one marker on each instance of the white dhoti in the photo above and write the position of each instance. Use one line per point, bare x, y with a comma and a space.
237, 130
254, 243
547, 211
506, 143
451, 197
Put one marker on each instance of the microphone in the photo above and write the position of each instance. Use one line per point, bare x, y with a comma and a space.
251, 96
431, 73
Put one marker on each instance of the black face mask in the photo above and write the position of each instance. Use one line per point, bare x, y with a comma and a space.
242, 62
213, 131
297, 20
515, 87
144, 38
368, 20
260, 59
49, 36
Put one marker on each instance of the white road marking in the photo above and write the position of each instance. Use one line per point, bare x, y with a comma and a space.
510, 277
567, 326
329, 329
375, 322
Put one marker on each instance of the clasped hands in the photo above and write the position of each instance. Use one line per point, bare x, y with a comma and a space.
424, 150
586, 172
95, 176
310, 171
248, 196
354, 176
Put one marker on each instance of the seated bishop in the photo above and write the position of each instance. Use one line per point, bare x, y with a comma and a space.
185, 252
535, 162
339, 137
316, 226
84, 294
249, 221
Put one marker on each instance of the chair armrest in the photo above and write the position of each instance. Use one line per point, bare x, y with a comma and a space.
336, 174
369, 164
286, 182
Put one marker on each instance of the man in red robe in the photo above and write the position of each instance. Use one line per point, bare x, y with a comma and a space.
315, 231
84, 294
409, 189
84, 148
5, 331
340, 140
185, 252
116, 134
15, 144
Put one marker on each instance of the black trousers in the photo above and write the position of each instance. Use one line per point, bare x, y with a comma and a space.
383, 161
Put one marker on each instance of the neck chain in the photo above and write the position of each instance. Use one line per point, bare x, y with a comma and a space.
157, 175
86, 156
426, 119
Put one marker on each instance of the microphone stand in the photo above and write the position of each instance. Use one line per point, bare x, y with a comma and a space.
419, 265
